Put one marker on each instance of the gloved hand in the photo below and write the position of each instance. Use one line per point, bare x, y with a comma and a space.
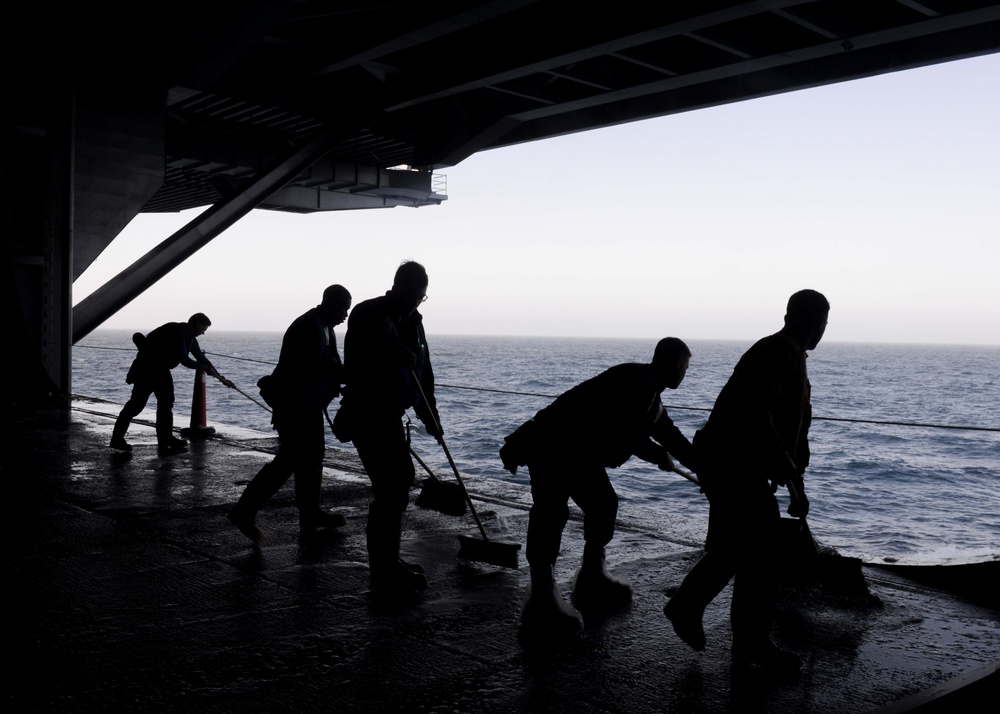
799, 507
666, 463
434, 428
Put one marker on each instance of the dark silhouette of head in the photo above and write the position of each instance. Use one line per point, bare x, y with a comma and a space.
336, 303
409, 286
670, 361
806, 317
199, 318
198, 323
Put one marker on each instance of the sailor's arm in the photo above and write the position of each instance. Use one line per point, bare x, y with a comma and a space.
666, 433
653, 453
201, 361
798, 506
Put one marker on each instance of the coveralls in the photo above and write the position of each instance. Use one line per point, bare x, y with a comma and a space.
567, 447
308, 377
381, 350
756, 437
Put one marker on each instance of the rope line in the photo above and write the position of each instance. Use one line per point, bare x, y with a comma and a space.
845, 420
242, 359
101, 347
705, 409
909, 423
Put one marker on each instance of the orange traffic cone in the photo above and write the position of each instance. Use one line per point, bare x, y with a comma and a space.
199, 429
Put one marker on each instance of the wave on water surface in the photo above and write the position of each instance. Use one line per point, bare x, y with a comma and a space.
886, 490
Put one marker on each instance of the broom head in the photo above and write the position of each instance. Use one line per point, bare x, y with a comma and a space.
442, 496
503, 555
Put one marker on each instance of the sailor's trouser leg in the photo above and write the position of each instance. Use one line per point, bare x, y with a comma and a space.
717, 567
382, 447
710, 574
545, 611
163, 389
307, 455
755, 586
595, 589
742, 528
264, 485
592, 491
552, 485
548, 515
293, 441
141, 391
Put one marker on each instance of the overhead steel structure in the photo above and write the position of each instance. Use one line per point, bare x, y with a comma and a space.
113, 108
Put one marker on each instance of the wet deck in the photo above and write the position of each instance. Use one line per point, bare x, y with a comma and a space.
131, 591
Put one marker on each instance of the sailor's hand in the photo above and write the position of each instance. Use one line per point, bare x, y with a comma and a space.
227, 382
799, 507
434, 428
666, 463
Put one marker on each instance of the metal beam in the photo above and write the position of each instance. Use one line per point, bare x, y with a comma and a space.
492, 135
450, 25
143, 273
517, 66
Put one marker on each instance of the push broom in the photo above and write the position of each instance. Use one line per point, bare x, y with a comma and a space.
488, 551
438, 495
837, 572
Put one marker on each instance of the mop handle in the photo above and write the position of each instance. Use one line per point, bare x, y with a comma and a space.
454, 468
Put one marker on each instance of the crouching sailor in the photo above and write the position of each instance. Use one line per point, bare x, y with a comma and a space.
159, 352
567, 447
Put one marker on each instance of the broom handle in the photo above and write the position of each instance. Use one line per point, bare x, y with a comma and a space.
454, 468
426, 467
468, 498
686, 474
262, 406
793, 490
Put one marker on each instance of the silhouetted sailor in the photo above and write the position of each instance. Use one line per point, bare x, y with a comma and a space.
755, 440
308, 377
567, 447
159, 352
384, 348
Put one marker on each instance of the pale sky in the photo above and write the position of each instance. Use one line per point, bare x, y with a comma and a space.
882, 193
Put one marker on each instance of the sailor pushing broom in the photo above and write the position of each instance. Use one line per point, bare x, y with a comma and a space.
565, 460
388, 371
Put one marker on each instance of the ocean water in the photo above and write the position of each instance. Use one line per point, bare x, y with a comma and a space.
878, 490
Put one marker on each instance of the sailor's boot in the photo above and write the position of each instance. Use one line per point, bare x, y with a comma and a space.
545, 612
686, 620
594, 588
166, 442
390, 577
118, 435
312, 517
259, 491
243, 514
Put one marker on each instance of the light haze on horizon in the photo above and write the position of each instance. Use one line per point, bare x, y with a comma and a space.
882, 193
